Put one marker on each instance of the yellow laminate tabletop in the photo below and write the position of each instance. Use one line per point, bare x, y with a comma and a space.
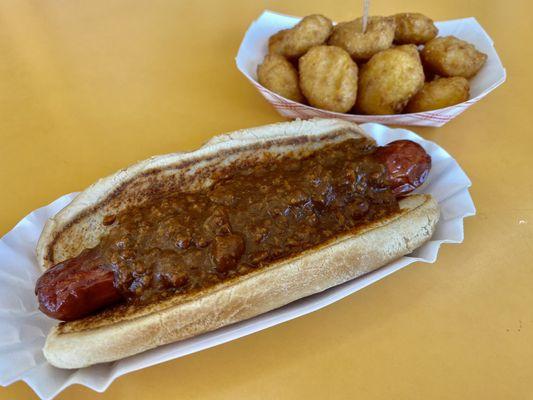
88, 87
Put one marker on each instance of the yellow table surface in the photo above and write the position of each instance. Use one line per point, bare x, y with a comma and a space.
87, 87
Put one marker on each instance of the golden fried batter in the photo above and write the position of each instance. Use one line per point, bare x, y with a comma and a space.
448, 56
440, 93
409, 49
277, 74
312, 30
328, 78
361, 46
388, 81
413, 28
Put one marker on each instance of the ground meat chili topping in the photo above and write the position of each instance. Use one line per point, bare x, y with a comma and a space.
184, 242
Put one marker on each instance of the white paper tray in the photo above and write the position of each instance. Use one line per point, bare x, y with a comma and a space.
23, 328
254, 47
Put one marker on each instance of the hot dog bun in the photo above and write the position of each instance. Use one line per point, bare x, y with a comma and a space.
126, 330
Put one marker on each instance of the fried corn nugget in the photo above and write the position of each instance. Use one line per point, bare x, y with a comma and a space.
448, 56
388, 81
277, 74
413, 28
361, 46
328, 78
312, 30
440, 93
277, 42
409, 49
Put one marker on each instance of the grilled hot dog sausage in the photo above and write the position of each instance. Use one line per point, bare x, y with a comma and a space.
77, 287
407, 165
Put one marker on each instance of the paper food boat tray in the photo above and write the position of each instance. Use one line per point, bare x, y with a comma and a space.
254, 48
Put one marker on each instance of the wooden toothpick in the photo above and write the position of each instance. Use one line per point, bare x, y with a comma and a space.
366, 6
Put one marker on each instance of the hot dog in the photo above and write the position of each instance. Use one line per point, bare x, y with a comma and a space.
84, 284
262, 205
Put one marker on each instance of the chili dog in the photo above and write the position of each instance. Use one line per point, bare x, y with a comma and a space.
81, 285
264, 204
